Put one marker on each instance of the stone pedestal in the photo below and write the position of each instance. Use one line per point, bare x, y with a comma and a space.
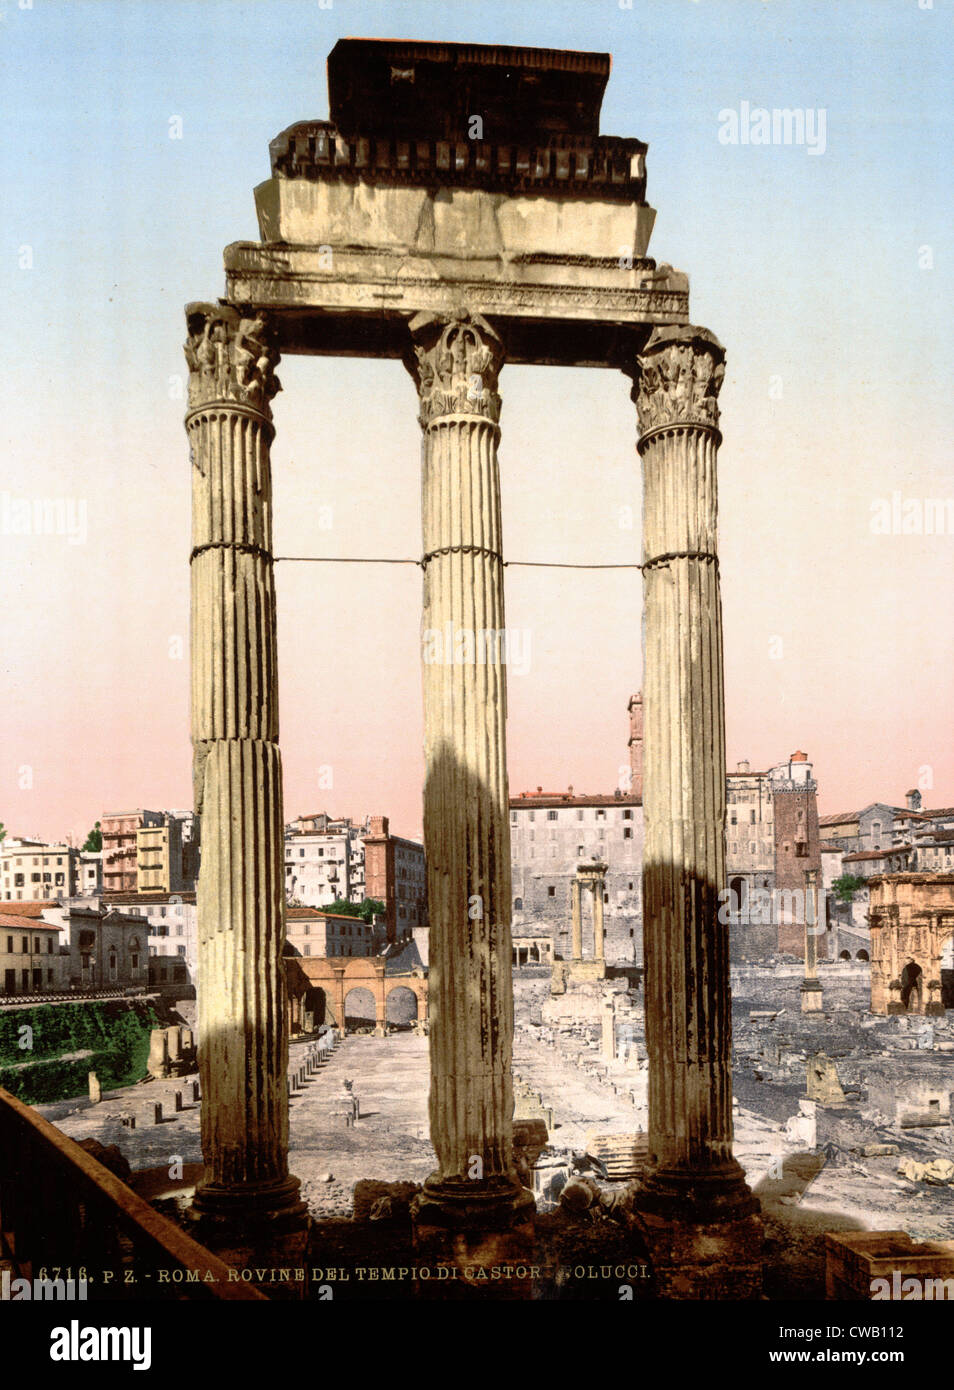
458, 1236
715, 1259
455, 365
586, 970
693, 1183
811, 997
243, 1046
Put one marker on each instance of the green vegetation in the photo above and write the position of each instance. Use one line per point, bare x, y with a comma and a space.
367, 909
113, 1032
847, 886
94, 840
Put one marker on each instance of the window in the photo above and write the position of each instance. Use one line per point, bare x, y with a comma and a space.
59, 879
551, 891
732, 819
25, 945
531, 815
513, 818
301, 854
627, 834
752, 816
801, 849
579, 814
49, 946
10, 945
627, 814
551, 815
307, 929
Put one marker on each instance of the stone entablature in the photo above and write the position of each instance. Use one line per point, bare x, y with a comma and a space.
604, 164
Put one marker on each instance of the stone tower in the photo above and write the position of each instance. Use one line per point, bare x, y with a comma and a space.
636, 743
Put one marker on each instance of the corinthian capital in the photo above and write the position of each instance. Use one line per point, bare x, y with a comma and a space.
231, 358
455, 366
680, 374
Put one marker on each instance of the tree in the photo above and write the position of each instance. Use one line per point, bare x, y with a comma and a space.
342, 908
3, 832
847, 886
366, 909
94, 840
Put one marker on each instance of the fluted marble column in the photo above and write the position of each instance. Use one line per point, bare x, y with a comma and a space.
455, 364
688, 1014
599, 948
243, 1043
811, 990
576, 907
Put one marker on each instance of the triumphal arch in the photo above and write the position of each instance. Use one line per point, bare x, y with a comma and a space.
460, 211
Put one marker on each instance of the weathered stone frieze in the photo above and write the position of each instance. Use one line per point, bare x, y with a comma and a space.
316, 150
231, 358
680, 375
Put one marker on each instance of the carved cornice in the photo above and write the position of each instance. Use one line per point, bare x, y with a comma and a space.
232, 358
680, 373
608, 165
455, 365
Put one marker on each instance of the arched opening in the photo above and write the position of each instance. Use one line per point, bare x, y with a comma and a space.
359, 1011
400, 1008
947, 973
737, 888
314, 1003
844, 955
911, 987
518, 904
862, 955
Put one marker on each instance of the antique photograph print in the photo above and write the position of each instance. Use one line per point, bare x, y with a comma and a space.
477, 790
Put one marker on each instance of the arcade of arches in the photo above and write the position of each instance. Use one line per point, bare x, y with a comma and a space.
352, 991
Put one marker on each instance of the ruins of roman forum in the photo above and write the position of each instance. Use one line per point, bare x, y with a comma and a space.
551, 1045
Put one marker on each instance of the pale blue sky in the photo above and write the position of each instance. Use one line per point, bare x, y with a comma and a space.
809, 268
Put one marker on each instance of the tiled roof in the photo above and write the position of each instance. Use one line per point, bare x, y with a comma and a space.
8, 919
27, 909
876, 853
840, 818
